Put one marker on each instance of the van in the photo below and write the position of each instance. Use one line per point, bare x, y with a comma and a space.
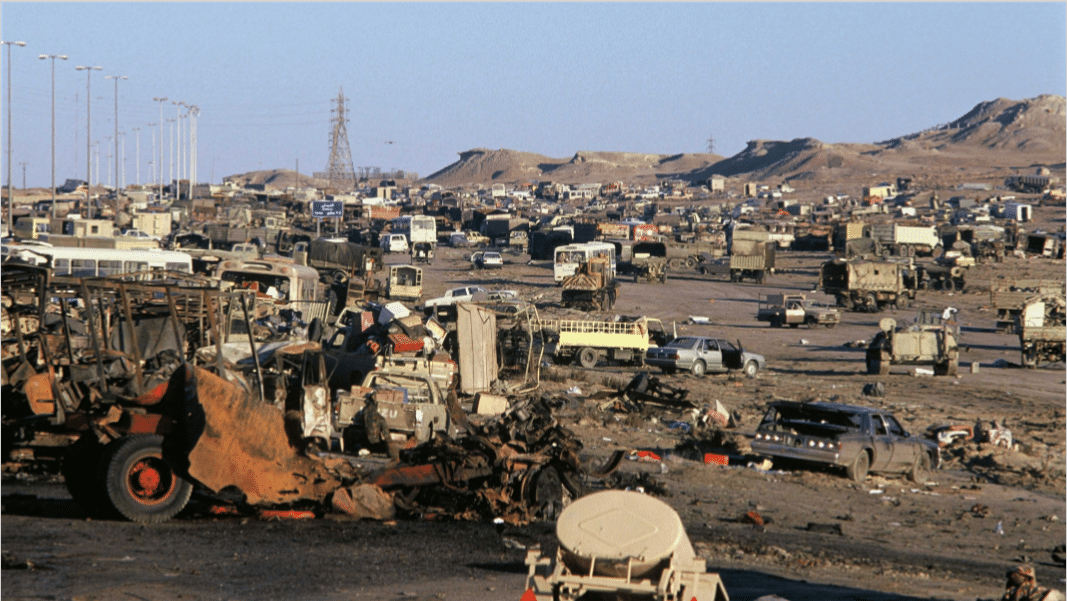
394, 243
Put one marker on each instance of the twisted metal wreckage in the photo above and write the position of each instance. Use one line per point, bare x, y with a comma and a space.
143, 387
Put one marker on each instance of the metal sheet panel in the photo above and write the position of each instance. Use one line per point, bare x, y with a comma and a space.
476, 333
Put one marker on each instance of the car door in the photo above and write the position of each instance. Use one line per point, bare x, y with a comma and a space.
711, 353
904, 450
884, 444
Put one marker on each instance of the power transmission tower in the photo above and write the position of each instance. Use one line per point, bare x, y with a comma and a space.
340, 172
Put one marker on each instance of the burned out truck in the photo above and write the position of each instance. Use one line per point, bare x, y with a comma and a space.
868, 285
1042, 330
751, 259
1009, 297
929, 341
592, 287
794, 310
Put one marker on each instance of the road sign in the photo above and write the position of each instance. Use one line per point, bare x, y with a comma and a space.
321, 209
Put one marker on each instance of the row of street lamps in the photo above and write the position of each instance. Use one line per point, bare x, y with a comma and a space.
192, 111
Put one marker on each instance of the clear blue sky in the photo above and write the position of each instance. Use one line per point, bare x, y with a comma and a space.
438, 79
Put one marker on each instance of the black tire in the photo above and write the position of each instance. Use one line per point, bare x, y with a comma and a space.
859, 468
698, 369
81, 473
587, 358
811, 321
901, 301
751, 369
703, 270
870, 303
920, 470
140, 485
948, 285
315, 330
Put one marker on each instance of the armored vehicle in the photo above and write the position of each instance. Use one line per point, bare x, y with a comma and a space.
930, 341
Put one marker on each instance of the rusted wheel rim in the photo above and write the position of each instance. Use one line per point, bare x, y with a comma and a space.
150, 481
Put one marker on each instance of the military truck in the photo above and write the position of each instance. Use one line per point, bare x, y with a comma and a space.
592, 287
930, 341
907, 240
1008, 299
868, 285
617, 544
642, 260
794, 310
590, 341
752, 259
1042, 330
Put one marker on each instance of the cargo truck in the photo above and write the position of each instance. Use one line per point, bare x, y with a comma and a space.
868, 285
752, 259
907, 240
590, 341
1042, 330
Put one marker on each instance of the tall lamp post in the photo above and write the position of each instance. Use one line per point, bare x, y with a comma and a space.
118, 184
159, 163
137, 143
178, 145
62, 57
88, 136
10, 190
170, 169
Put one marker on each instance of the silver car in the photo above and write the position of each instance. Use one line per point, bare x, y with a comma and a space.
700, 355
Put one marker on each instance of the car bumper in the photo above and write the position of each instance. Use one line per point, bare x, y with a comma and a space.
814, 455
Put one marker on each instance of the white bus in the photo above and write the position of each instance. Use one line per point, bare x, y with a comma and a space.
417, 228
71, 261
570, 256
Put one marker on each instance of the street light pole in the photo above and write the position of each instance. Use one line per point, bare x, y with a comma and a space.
10, 189
194, 111
88, 136
170, 169
159, 163
118, 184
178, 145
53, 57
137, 161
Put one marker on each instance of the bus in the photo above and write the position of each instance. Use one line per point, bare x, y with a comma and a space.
72, 261
288, 283
570, 256
417, 228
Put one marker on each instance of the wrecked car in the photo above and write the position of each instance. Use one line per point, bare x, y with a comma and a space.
393, 405
859, 439
700, 355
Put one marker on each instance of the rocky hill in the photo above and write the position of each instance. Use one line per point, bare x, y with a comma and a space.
994, 136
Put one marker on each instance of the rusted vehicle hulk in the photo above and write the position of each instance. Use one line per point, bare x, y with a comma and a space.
1042, 331
858, 439
1008, 299
927, 342
621, 545
592, 287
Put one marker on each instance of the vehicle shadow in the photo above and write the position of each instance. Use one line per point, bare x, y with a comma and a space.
42, 507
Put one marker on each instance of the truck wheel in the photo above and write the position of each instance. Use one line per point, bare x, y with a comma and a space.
140, 485
587, 358
874, 362
1029, 360
870, 303
81, 473
811, 321
920, 470
690, 262
948, 285
698, 369
953, 367
703, 270
901, 301
859, 468
751, 369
